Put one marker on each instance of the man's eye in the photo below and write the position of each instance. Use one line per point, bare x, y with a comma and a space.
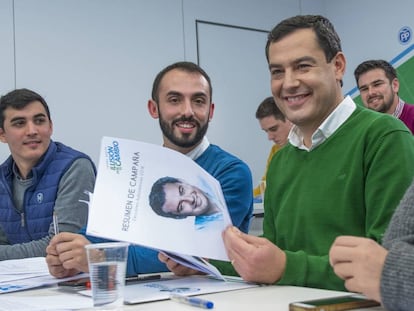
40, 121
18, 123
199, 101
173, 100
181, 190
378, 84
276, 72
303, 66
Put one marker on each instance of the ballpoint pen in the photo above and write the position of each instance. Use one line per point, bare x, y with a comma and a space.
55, 223
192, 301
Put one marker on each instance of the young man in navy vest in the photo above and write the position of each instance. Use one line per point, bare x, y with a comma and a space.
40, 178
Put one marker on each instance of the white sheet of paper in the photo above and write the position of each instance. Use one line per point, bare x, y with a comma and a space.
26, 273
189, 286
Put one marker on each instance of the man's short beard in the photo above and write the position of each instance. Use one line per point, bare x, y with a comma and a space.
183, 142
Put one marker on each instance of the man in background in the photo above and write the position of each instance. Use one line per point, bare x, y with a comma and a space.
39, 179
277, 128
378, 85
182, 102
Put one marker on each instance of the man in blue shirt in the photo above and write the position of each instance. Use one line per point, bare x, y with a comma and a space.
182, 102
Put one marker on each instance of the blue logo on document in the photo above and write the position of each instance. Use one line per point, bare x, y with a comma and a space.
114, 157
404, 35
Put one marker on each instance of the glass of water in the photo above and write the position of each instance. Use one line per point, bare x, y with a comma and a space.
107, 265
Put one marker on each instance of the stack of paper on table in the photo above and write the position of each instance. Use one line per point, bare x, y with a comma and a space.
120, 208
26, 273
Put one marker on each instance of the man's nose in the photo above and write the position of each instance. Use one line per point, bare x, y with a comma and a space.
188, 108
31, 128
290, 79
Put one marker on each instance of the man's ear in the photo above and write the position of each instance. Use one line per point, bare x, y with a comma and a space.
210, 117
2, 136
340, 64
153, 109
51, 128
395, 84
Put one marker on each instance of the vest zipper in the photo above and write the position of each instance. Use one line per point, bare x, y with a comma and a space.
22, 219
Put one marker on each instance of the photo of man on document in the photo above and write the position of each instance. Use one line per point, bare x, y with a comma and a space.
176, 198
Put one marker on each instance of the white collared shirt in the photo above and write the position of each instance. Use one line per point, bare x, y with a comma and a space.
399, 108
197, 151
341, 113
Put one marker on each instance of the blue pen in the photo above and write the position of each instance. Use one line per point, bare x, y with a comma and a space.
192, 301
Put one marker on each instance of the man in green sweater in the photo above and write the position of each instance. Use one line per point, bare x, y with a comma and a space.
343, 172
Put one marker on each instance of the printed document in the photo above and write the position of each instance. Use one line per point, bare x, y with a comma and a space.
154, 196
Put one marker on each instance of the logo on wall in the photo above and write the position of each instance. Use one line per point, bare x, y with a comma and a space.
404, 35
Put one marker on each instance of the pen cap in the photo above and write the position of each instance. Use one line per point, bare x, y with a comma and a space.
201, 303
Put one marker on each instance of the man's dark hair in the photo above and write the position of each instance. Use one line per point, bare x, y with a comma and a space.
157, 196
372, 64
326, 35
268, 108
183, 66
18, 99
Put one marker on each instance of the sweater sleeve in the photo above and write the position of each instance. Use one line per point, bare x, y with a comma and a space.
397, 279
236, 183
72, 214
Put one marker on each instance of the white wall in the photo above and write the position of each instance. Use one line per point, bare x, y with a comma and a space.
369, 30
94, 60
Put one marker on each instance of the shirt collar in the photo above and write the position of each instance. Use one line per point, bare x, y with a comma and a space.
17, 173
197, 151
337, 117
399, 108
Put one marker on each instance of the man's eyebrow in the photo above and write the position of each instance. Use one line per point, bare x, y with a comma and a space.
373, 82
295, 61
305, 59
174, 93
19, 118
197, 94
378, 80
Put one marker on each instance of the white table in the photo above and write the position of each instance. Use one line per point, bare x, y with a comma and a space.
272, 298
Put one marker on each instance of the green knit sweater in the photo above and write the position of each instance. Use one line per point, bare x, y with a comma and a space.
349, 185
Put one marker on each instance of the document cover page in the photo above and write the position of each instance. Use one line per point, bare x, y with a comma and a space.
154, 196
